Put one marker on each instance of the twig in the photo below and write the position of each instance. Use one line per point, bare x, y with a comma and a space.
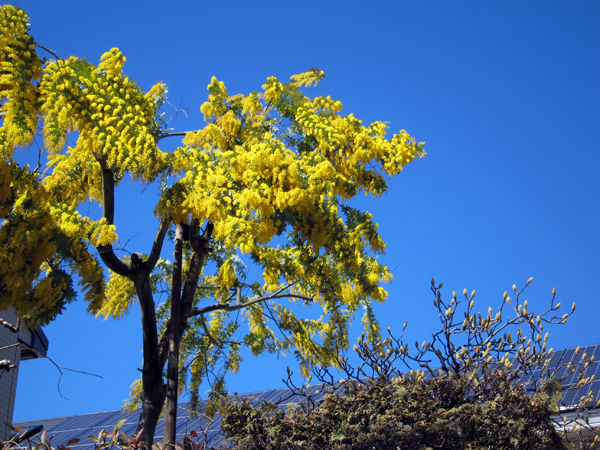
39, 164
180, 110
70, 370
61, 372
48, 50
229, 308
178, 133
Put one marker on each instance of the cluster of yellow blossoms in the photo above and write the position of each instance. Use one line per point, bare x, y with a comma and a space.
112, 115
44, 243
34, 248
308, 79
20, 67
253, 185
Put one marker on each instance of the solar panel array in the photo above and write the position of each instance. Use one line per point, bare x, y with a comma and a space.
84, 425
571, 392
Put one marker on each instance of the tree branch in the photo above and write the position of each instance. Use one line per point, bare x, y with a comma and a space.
108, 195
158, 242
48, 50
179, 133
59, 368
112, 261
70, 370
163, 349
201, 247
106, 252
229, 308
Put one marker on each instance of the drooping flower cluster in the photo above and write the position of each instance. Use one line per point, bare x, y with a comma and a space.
255, 183
38, 255
112, 115
311, 77
20, 67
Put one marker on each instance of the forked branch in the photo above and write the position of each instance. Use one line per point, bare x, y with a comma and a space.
227, 307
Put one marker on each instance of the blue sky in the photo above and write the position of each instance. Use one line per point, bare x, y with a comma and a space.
505, 94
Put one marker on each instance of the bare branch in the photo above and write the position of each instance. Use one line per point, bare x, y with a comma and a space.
158, 242
178, 133
39, 164
229, 308
48, 50
60, 369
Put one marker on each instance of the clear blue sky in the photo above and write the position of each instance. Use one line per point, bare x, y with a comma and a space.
505, 94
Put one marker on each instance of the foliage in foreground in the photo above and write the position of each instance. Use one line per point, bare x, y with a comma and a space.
384, 413
475, 398
105, 440
268, 178
467, 391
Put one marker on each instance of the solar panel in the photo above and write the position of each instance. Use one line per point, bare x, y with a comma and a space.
83, 425
277, 394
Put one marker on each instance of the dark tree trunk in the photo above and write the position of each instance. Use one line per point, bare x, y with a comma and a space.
153, 392
175, 331
181, 305
153, 389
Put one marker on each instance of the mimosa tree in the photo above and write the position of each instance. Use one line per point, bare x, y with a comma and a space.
267, 180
